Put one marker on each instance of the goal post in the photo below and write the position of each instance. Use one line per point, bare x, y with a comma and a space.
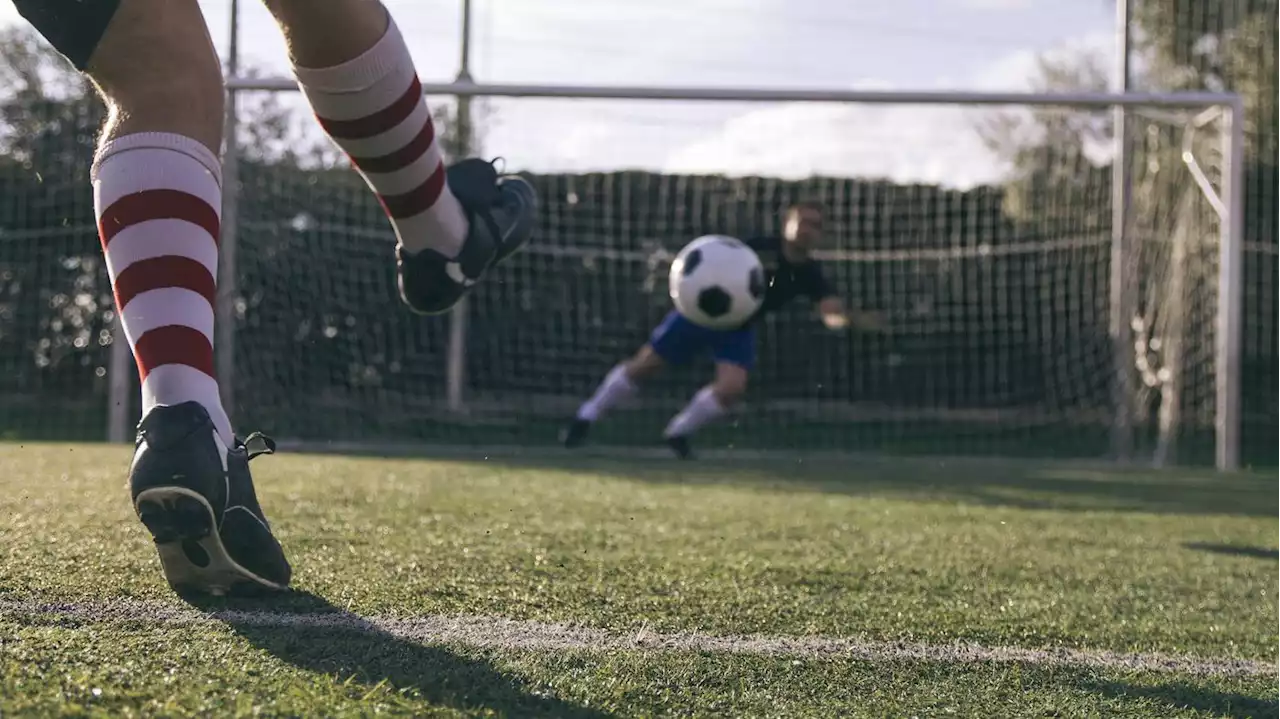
1230, 319
1216, 183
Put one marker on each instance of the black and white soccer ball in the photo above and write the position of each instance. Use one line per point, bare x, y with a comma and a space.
717, 282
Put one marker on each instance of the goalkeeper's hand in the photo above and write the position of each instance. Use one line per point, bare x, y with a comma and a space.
835, 317
835, 320
866, 321
863, 321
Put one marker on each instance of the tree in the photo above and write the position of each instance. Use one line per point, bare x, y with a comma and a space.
1232, 45
1210, 45
1221, 45
1056, 180
56, 305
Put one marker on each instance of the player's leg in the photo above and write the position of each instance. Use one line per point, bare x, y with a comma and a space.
735, 357
157, 195
674, 341
621, 383
451, 225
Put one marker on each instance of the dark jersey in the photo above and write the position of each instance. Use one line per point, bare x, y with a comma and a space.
786, 280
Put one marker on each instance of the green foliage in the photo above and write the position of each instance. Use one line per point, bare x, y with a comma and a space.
1053, 181
1197, 36
1212, 45
55, 307
1216, 45
45, 111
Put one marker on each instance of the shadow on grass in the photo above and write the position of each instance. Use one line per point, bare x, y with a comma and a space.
1024, 484
1181, 695
350, 646
1235, 550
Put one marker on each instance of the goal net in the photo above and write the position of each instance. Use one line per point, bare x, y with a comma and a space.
55, 299
984, 235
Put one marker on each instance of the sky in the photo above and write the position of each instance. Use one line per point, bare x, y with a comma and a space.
815, 44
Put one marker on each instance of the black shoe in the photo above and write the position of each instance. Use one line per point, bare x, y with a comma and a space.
500, 211
575, 434
681, 446
196, 498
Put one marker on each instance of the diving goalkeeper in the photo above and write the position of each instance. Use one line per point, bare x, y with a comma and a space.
790, 272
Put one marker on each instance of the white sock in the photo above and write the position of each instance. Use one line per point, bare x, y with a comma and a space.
703, 408
158, 198
615, 388
373, 108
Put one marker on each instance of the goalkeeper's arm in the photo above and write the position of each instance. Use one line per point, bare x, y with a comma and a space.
836, 317
831, 308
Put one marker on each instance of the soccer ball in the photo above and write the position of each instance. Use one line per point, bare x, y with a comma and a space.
717, 282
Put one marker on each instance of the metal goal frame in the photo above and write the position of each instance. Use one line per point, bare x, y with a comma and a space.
1226, 108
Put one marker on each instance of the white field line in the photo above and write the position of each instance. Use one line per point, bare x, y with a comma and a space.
498, 633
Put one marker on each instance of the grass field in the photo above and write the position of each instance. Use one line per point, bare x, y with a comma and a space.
598, 588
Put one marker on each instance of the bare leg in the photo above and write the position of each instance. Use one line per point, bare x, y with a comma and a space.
710, 402
451, 225
157, 70
158, 194
329, 32
620, 384
158, 197
355, 70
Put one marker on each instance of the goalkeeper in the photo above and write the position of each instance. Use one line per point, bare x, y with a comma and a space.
790, 272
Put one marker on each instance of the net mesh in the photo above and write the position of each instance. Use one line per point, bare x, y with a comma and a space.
997, 298
1009, 328
986, 244
55, 300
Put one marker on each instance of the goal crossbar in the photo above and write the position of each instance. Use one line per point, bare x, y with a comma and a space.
723, 94
1229, 201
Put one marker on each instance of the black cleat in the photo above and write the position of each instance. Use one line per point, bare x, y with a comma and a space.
196, 498
575, 434
500, 211
681, 446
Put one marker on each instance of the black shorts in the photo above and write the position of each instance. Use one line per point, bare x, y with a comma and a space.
73, 27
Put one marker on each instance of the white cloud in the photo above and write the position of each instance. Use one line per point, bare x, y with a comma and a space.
904, 143
551, 135
700, 42
929, 144
995, 4
1018, 70
932, 144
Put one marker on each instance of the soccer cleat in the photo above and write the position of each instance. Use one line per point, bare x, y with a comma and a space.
500, 213
575, 434
196, 498
681, 446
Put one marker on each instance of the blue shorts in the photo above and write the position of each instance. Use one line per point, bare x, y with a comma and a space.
677, 340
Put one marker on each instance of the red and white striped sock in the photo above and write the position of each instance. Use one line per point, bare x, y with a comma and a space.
158, 198
373, 108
